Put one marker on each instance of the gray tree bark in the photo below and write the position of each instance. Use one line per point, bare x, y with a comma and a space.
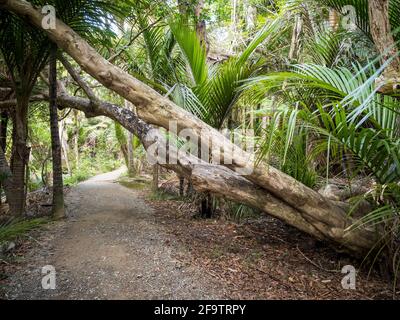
58, 210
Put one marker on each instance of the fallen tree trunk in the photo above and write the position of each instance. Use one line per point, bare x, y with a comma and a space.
215, 178
221, 180
326, 218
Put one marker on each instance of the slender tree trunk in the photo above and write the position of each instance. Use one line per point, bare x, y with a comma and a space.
131, 158
181, 186
131, 154
64, 146
58, 210
295, 43
122, 141
155, 177
3, 138
6, 174
201, 27
76, 139
334, 19
234, 25
250, 15
3, 129
382, 35
19, 157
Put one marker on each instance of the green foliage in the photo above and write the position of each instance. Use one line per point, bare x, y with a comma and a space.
90, 167
15, 228
361, 8
240, 212
193, 50
164, 196
217, 90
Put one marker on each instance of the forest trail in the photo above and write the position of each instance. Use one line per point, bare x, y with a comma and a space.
110, 247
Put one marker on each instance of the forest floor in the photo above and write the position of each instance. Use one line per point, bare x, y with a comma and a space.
122, 242
110, 247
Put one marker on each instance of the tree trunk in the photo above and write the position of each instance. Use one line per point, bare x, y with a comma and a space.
382, 35
58, 210
334, 20
3, 130
155, 178
3, 139
181, 186
6, 175
290, 200
64, 145
295, 43
76, 139
234, 25
19, 157
201, 27
250, 15
131, 157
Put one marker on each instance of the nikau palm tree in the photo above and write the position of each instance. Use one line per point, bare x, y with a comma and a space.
26, 51
58, 192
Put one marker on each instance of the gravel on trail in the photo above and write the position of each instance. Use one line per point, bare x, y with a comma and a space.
110, 247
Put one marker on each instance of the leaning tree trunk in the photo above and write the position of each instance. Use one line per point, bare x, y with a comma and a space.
219, 180
290, 200
58, 210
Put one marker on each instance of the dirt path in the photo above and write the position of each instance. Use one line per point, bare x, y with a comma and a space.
110, 247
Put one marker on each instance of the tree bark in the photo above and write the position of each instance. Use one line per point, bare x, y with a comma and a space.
155, 178
6, 175
58, 210
131, 159
201, 27
3, 129
295, 43
292, 201
3, 139
64, 145
76, 138
334, 20
19, 156
381, 33
250, 15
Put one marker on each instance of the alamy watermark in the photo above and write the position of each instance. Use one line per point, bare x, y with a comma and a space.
49, 19
349, 281
49, 277
348, 21
188, 146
